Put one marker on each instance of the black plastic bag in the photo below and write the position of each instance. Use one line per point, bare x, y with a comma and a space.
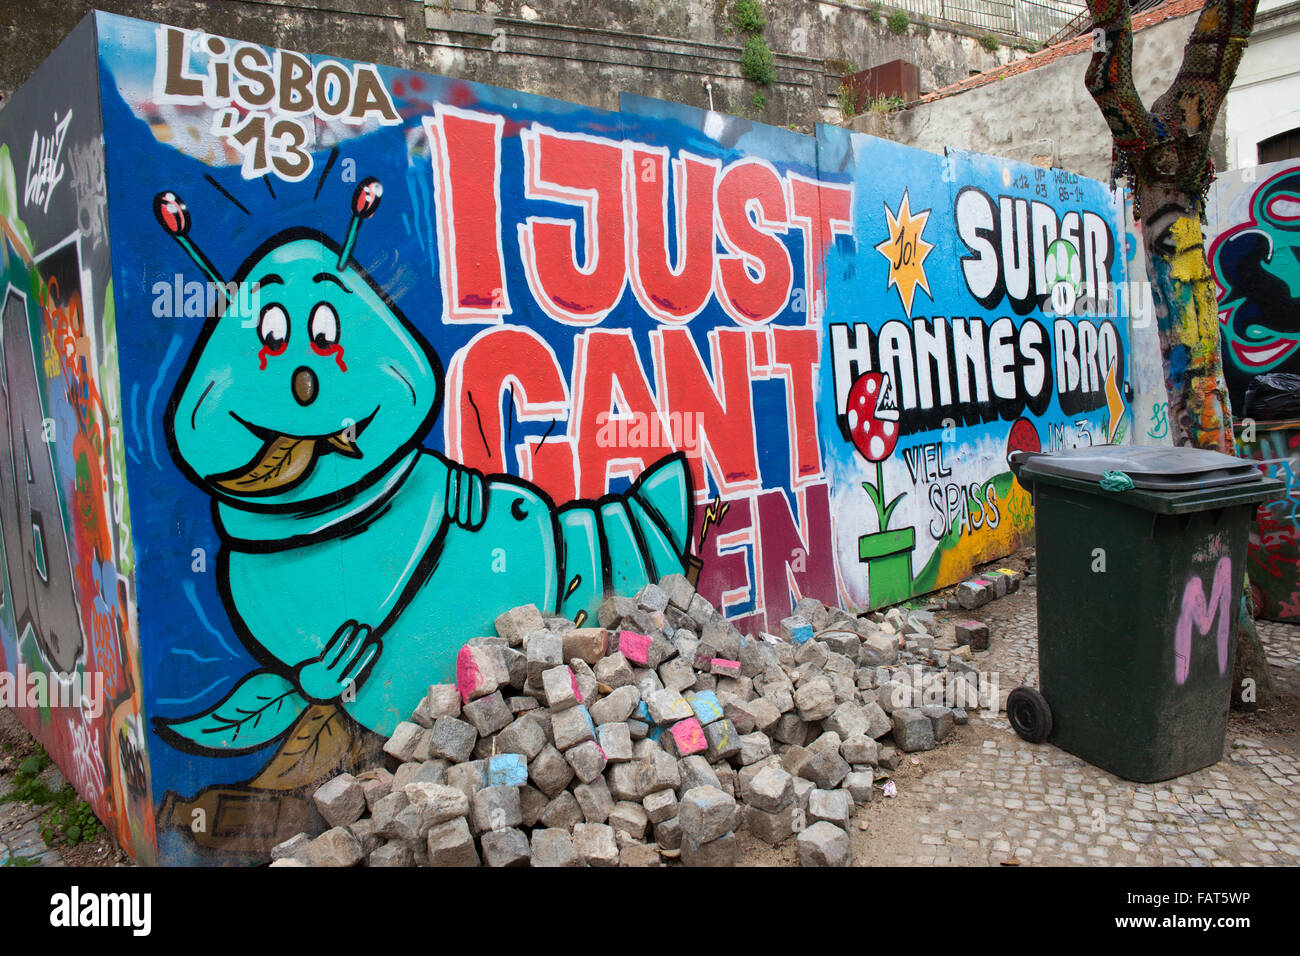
1273, 397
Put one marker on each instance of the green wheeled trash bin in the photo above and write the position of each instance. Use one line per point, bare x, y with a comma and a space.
1141, 561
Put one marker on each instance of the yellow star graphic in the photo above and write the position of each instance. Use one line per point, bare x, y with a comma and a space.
906, 251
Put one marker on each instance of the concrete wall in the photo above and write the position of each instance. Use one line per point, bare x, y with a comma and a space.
1044, 115
507, 350
583, 52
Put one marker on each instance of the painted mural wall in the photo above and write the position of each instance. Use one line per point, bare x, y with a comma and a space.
70, 663
1253, 235
400, 352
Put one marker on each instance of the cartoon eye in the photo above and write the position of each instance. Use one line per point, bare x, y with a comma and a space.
324, 326
273, 328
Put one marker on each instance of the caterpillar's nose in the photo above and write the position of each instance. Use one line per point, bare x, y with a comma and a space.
304, 385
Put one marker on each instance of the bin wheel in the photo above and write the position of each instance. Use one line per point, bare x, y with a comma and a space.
1030, 715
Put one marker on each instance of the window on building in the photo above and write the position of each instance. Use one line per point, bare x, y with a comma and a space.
1282, 146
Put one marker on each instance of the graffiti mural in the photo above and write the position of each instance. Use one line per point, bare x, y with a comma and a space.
69, 644
398, 353
1253, 230
988, 322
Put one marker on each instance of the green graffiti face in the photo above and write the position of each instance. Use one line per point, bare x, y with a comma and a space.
1257, 264
303, 388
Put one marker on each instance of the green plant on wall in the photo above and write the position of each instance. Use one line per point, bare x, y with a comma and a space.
847, 97
873, 13
748, 16
991, 43
757, 62
759, 101
897, 22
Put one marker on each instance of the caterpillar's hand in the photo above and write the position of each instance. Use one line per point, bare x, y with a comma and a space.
466, 496
344, 663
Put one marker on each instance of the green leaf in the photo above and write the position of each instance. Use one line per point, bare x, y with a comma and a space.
884, 523
262, 707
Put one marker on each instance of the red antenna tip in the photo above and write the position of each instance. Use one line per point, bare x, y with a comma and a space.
172, 213
365, 200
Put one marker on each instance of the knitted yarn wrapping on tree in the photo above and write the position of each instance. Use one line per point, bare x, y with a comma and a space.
1170, 144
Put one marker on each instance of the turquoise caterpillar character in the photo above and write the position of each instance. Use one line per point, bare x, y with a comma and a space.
354, 561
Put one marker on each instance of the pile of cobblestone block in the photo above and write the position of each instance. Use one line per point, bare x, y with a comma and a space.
654, 736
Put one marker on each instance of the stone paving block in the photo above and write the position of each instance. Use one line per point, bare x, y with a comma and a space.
451, 844
833, 806
524, 735
562, 813
489, 714
595, 844
715, 853
542, 651
442, 700
941, 718
480, 670
677, 675
668, 834
913, 731
657, 771
587, 644
773, 827
687, 737
723, 741
595, 800
860, 750
572, 726
554, 848
615, 741
615, 707
507, 770
335, 847
549, 771
973, 633
814, 699
724, 667
826, 768
452, 739
392, 853
495, 808
587, 760
696, 771
706, 813
667, 706
614, 671
634, 647
769, 790
660, 805
705, 706
824, 844
508, 847
860, 786
796, 629
340, 801
516, 624
409, 741
560, 689
629, 818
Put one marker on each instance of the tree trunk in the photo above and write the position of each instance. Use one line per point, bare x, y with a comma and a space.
1164, 153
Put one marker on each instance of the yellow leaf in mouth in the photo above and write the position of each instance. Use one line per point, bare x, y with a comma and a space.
281, 463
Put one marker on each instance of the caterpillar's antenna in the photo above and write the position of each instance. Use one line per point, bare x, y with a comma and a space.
174, 216
365, 200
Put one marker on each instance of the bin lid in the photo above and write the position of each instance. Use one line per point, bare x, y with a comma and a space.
1165, 480
1155, 468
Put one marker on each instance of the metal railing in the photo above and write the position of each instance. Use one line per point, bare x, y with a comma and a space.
1035, 20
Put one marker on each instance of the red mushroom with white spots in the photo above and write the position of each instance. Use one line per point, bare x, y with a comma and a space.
872, 415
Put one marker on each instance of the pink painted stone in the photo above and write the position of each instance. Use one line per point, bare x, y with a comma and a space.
724, 667
573, 679
688, 736
468, 676
635, 647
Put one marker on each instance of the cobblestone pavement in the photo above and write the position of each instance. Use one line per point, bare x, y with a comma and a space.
987, 797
